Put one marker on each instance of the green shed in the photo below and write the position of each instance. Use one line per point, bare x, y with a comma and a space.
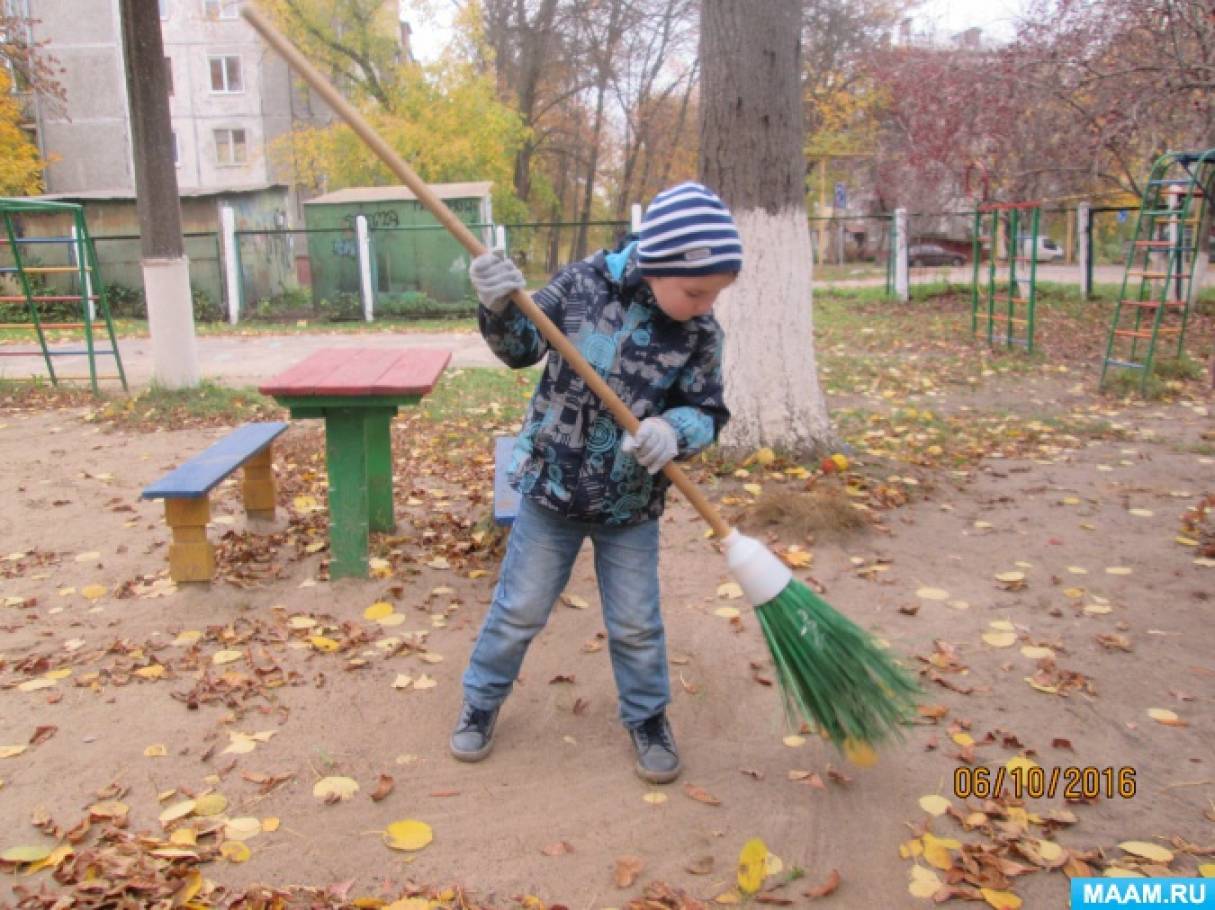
410, 251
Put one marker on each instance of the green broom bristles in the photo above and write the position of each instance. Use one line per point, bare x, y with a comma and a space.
832, 672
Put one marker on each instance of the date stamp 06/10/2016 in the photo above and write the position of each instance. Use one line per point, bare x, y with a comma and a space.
1072, 782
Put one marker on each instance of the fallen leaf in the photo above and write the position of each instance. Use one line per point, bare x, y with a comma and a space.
242, 828
383, 788
701, 795
935, 804
235, 851
1166, 717
627, 870
752, 865
1154, 852
827, 887
932, 594
1000, 900
408, 835
335, 788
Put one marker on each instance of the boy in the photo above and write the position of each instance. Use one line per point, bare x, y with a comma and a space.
642, 318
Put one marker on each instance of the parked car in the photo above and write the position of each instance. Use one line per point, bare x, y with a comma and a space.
933, 254
1048, 250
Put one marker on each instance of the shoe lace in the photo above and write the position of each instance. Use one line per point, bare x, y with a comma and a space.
476, 718
654, 731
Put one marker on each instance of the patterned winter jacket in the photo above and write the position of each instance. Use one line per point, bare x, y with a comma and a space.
567, 457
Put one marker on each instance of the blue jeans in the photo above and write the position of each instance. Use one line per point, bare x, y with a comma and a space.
539, 556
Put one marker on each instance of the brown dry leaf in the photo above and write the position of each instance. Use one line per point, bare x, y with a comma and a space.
701, 795
560, 848
827, 887
627, 870
383, 788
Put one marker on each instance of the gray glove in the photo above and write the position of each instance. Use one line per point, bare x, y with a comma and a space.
656, 443
494, 277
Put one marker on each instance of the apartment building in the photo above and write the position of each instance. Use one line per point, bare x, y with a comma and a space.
230, 97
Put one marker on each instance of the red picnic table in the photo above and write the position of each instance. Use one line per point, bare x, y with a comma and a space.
357, 391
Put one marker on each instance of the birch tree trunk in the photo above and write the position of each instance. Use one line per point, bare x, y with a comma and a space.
752, 130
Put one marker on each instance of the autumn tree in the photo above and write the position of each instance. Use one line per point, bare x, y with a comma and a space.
752, 131
21, 167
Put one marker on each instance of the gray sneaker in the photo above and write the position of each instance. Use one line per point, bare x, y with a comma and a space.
657, 757
473, 737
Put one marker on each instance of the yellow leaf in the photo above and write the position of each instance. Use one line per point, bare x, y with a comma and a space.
10, 751
378, 610
321, 643
300, 623
762, 457
793, 741
1164, 716
729, 591
1117, 570
798, 558
932, 594
575, 601
408, 834
1033, 652
936, 849
270, 824
1001, 900
305, 504
752, 865
155, 671
859, 753
1000, 639
410, 903
477, 573
654, 798
1119, 872
934, 804
911, 849
177, 810
33, 685
1049, 850
403, 681
183, 837
1207, 870
156, 751
210, 804
340, 787
94, 592
439, 562
225, 657
1154, 852
1010, 577
963, 739
241, 744
924, 882
52, 860
1019, 764
1002, 625
26, 853
841, 461
234, 851
727, 612
1097, 609
753, 488
243, 828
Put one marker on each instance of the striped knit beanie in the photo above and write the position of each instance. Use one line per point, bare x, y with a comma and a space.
688, 231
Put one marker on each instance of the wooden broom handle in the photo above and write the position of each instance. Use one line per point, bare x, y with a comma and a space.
469, 241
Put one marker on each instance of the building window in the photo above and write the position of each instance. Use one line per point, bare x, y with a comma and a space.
220, 9
225, 75
176, 149
164, 9
230, 147
169, 74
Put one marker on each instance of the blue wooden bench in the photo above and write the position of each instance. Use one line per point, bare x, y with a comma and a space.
506, 499
186, 490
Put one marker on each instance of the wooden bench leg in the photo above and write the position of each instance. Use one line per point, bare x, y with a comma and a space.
191, 556
259, 488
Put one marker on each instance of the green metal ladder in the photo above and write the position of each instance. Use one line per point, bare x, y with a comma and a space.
89, 292
1014, 288
1161, 259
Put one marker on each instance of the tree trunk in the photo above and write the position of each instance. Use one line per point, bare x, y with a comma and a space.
166, 271
751, 153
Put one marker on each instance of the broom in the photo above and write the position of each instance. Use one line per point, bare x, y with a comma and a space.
830, 671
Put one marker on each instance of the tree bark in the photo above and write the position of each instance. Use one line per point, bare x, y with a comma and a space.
752, 129
156, 198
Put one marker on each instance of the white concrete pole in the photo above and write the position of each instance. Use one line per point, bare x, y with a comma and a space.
227, 228
1084, 253
499, 238
902, 282
166, 283
635, 218
363, 246
81, 259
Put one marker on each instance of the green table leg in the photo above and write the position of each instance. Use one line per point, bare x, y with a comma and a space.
346, 457
379, 468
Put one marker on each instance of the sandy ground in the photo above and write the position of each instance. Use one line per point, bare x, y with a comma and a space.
562, 769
